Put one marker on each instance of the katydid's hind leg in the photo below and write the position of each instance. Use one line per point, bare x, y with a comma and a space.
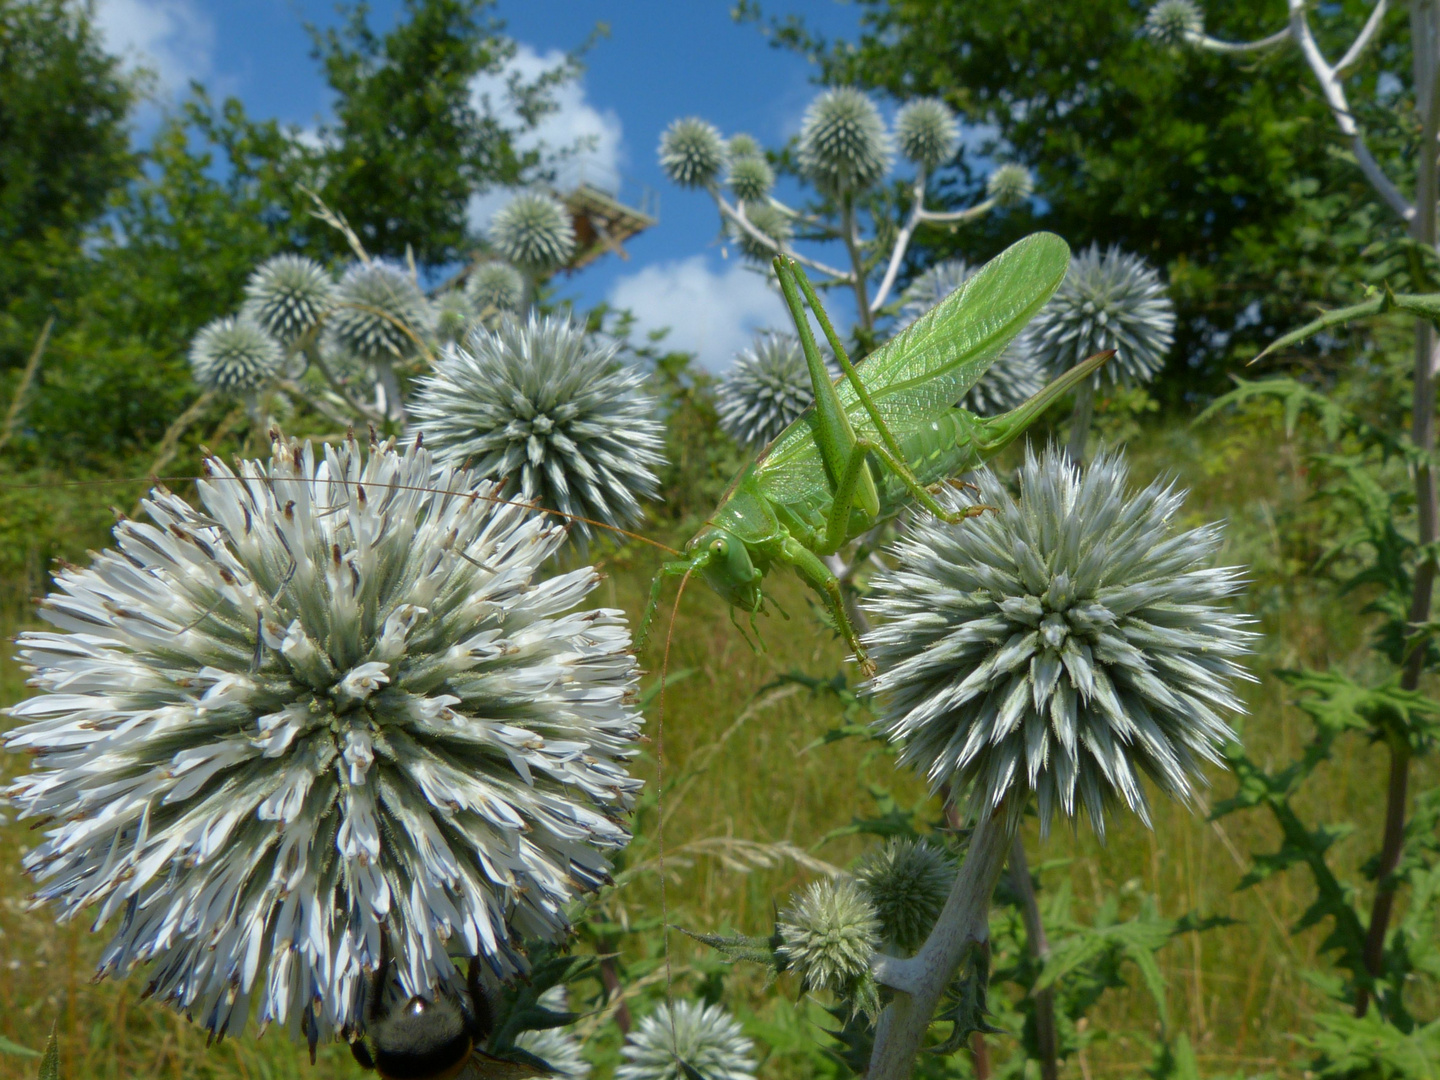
818, 576
669, 569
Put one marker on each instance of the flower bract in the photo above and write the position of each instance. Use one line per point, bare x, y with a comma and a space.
336, 702
533, 231
766, 389
686, 1040
692, 153
926, 132
380, 313
557, 414
234, 354
844, 147
288, 296
1066, 645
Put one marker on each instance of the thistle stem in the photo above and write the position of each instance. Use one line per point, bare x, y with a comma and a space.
1039, 946
1080, 422
963, 923
857, 263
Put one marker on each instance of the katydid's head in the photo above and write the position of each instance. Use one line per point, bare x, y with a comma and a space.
724, 561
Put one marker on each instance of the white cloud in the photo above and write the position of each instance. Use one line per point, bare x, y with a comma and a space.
711, 313
171, 38
573, 121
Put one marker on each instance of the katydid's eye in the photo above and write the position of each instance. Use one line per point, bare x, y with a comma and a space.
718, 546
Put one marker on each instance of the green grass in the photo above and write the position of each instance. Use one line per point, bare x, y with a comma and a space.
1238, 991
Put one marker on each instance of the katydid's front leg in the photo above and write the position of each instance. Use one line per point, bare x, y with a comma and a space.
669, 569
818, 576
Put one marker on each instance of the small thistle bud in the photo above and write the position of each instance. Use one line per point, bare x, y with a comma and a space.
766, 389
453, 316
1011, 380
750, 178
684, 1041
1175, 22
234, 355
742, 146
769, 221
495, 285
557, 1047
828, 934
288, 296
907, 882
336, 703
1107, 301
380, 313
534, 231
540, 405
844, 147
927, 132
1010, 184
1064, 646
692, 152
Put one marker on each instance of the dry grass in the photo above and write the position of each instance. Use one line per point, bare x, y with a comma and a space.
1240, 991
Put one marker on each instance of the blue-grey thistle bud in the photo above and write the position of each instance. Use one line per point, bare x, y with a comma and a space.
338, 702
766, 389
1065, 645
1010, 184
534, 231
495, 286
742, 146
454, 316
1109, 300
288, 296
1175, 22
927, 132
828, 933
234, 355
554, 413
750, 178
906, 883
844, 147
692, 153
768, 220
1011, 380
685, 1041
380, 313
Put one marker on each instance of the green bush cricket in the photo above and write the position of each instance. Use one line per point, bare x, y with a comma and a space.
877, 438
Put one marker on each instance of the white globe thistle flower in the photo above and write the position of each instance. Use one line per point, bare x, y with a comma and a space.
766, 389
742, 145
336, 703
1011, 380
1174, 22
685, 1040
534, 231
380, 313
750, 178
769, 221
1108, 300
289, 296
692, 152
1064, 646
557, 1047
927, 132
539, 404
844, 147
495, 285
906, 882
234, 354
828, 933
1010, 184
454, 316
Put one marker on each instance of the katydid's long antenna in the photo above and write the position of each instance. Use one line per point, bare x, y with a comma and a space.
660, 780
394, 487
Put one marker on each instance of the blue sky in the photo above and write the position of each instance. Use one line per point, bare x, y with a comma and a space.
663, 59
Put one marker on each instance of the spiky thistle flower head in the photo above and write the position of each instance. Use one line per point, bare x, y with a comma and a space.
906, 882
828, 933
338, 702
742, 145
686, 1040
234, 354
1064, 645
766, 388
495, 285
1108, 300
1010, 184
380, 313
1175, 22
692, 153
844, 147
768, 220
288, 296
538, 403
454, 316
534, 231
557, 1047
750, 178
927, 132
1012, 379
